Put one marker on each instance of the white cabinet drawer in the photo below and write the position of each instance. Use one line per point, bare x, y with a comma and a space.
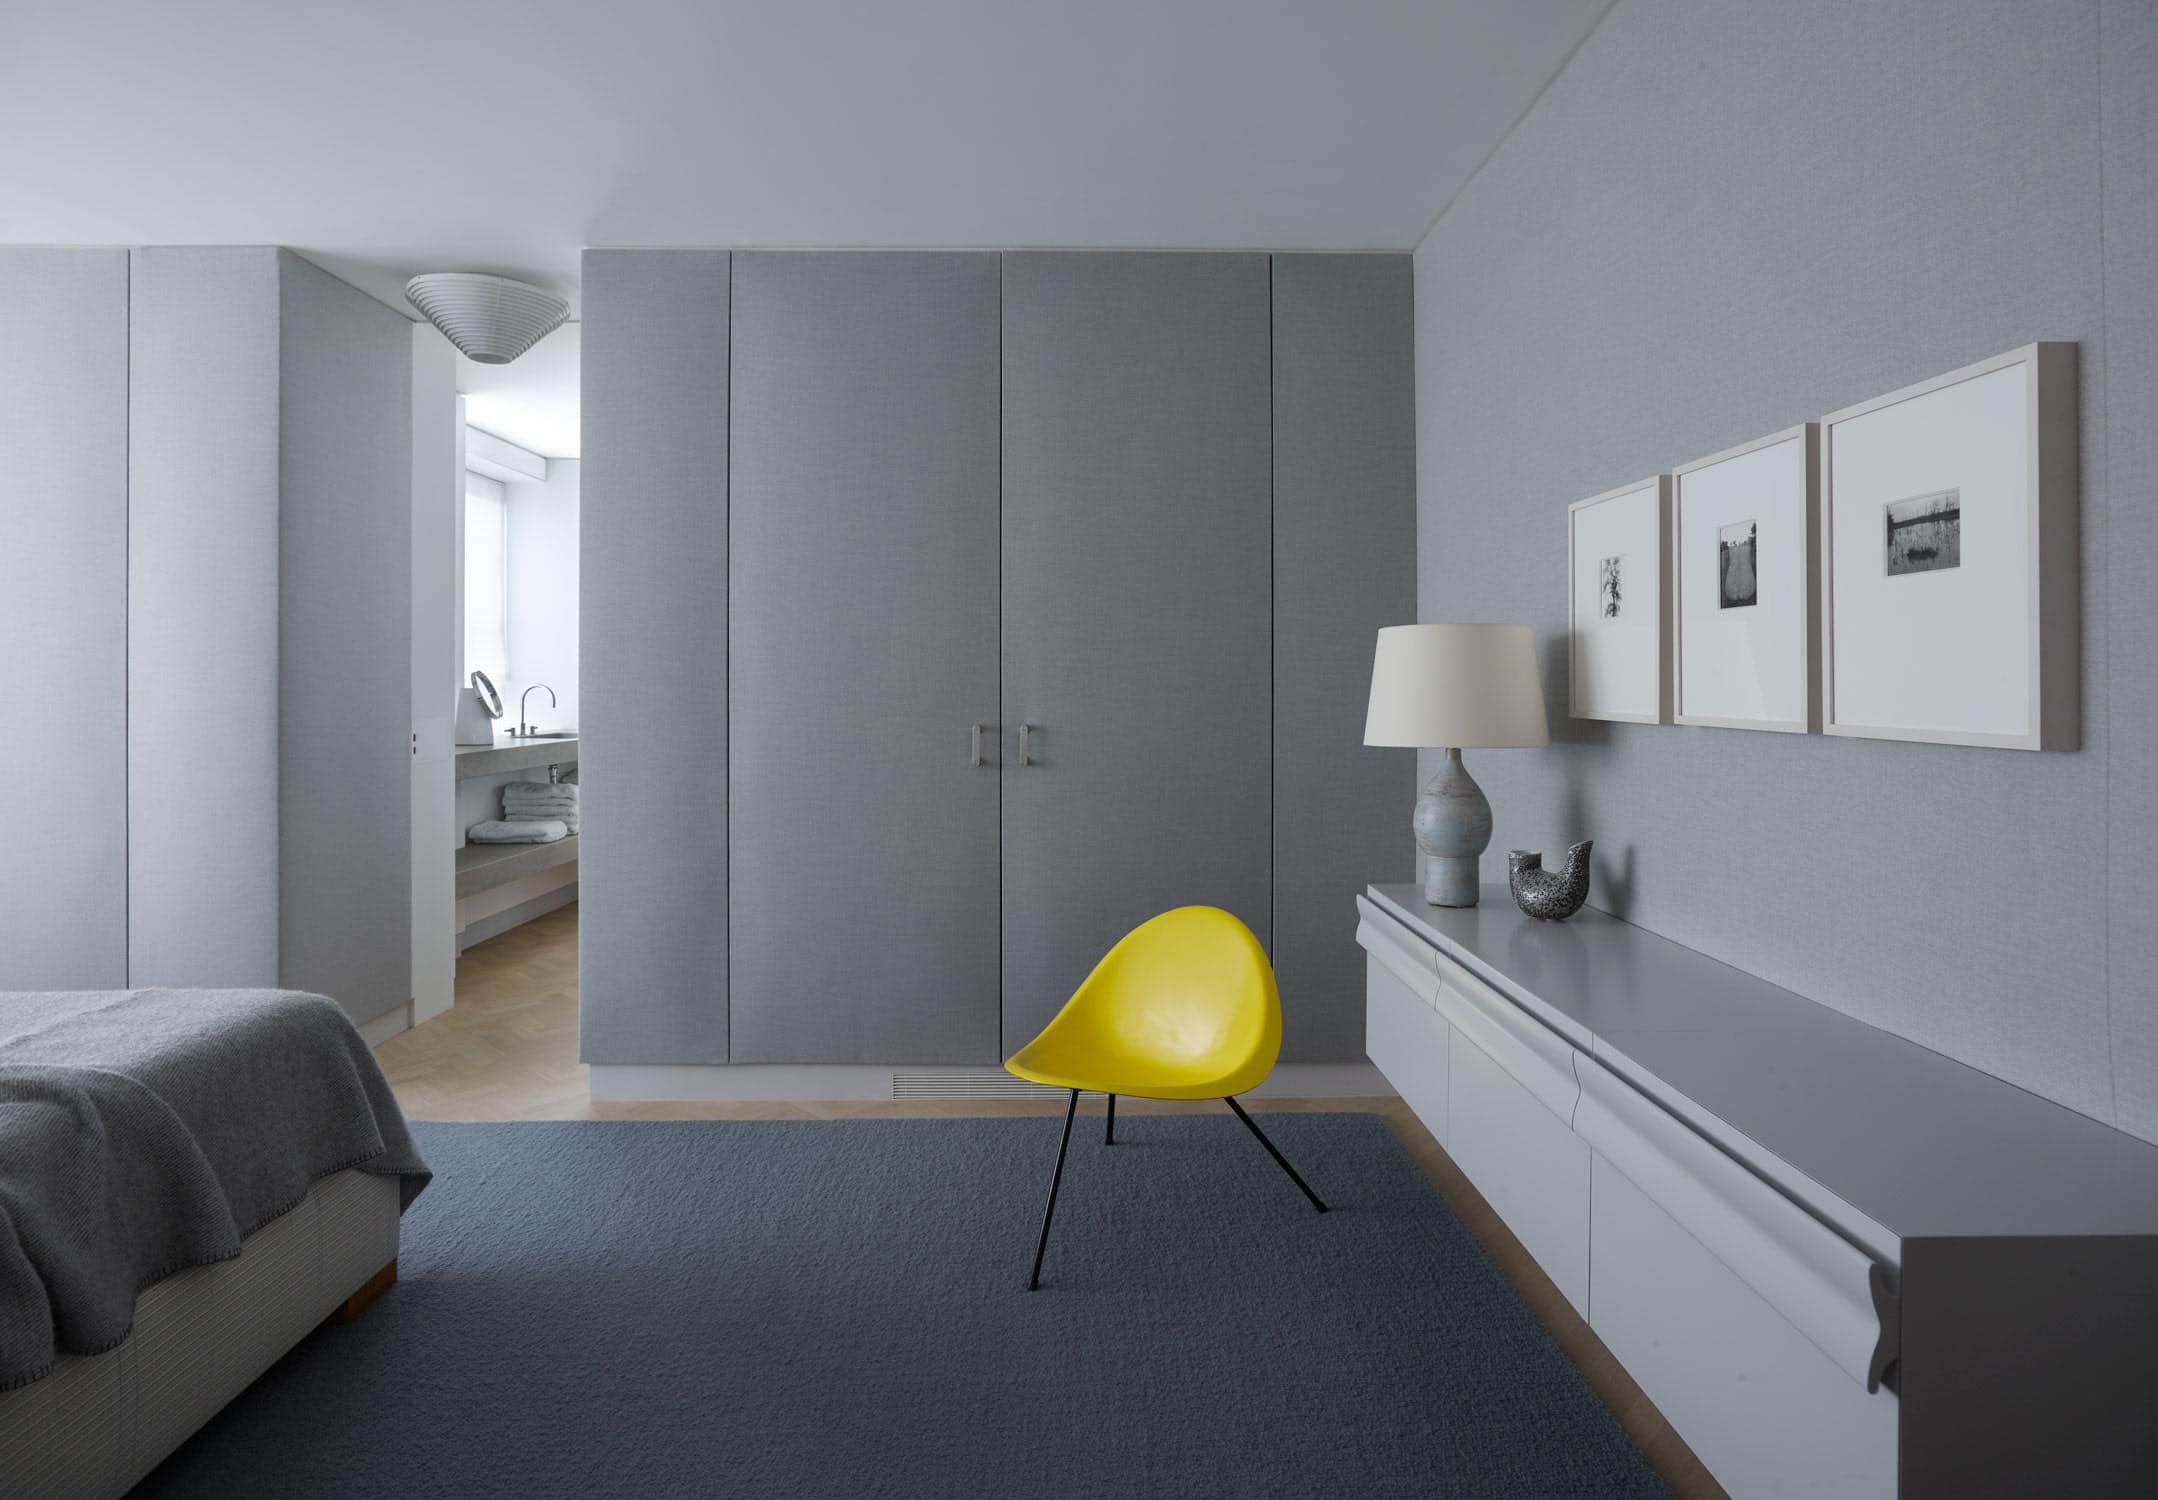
1532, 1169
1407, 1041
1821, 1283
1536, 1057
1766, 1410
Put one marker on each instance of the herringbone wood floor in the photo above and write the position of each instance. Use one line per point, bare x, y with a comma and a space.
508, 1051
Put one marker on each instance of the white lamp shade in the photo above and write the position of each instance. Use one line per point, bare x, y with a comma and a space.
1465, 686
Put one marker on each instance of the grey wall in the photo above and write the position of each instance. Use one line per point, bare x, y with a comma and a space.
652, 857
202, 618
543, 593
63, 617
344, 640
1721, 220
2128, 361
1344, 491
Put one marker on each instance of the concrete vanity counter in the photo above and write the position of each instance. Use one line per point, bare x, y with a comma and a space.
507, 754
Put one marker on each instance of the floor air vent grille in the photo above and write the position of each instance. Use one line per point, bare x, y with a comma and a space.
951, 1085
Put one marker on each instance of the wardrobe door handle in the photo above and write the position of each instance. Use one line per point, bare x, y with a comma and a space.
974, 751
1026, 733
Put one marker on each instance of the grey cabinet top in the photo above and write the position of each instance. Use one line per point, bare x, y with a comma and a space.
1920, 1143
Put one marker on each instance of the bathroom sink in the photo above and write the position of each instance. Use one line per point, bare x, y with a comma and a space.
541, 734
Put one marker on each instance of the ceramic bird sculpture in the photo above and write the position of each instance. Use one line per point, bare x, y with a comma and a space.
1549, 895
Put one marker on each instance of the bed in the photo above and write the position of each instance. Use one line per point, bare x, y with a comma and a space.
190, 1181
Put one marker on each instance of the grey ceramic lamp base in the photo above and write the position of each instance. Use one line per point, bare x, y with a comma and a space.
1453, 828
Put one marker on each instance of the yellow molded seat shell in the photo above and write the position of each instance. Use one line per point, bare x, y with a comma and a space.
1183, 1007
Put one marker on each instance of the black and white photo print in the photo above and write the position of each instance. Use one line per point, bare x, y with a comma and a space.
1607, 588
1925, 533
1737, 574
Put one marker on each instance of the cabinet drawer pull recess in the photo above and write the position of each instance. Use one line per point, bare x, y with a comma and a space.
1375, 936
974, 748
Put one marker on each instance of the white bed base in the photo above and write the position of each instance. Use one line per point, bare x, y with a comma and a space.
97, 1424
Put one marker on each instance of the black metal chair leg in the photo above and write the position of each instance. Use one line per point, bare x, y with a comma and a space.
1279, 1159
1041, 1246
1108, 1134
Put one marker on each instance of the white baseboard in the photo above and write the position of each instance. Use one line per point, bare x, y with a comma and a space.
637, 1082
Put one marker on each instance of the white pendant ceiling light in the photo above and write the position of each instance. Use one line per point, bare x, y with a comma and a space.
491, 319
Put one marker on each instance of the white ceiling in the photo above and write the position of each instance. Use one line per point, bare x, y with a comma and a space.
533, 400
406, 135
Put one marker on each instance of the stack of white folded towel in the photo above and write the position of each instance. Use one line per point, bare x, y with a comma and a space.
502, 831
541, 802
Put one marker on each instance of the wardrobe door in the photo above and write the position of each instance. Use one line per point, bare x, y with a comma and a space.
863, 579
1137, 605
652, 850
1344, 565
63, 617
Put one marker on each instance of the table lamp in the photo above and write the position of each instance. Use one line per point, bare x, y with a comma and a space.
1451, 688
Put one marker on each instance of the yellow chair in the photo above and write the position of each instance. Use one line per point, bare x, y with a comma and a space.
1183, 1007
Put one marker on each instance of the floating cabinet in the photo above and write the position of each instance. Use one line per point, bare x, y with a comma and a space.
1766, 1209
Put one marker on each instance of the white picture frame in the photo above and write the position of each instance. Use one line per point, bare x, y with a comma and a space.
1745, 585
1618, 623
1948, 535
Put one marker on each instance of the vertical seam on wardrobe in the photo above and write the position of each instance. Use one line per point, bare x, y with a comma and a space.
1000, 657
726, 782
127, 635
2104, 675
1273, 635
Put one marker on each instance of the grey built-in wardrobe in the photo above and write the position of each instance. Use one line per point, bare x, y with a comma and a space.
205, 616
948, 614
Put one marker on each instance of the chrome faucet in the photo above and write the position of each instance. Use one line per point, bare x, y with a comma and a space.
524, 726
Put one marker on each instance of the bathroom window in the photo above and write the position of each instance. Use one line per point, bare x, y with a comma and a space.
487, 560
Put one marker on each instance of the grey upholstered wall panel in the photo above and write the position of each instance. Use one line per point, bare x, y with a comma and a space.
202, 677
862, 531
2128, 95
1344, 564
653, 654
344, 644
1721, 220
63, 617
1137, 608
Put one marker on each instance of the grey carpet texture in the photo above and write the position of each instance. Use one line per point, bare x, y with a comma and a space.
837, 1308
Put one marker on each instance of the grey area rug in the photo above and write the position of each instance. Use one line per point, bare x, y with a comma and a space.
836, 1309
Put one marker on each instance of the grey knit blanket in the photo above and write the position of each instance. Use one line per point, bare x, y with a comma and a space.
145, 1131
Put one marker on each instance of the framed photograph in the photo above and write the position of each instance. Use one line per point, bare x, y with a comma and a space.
1948, 555
1618, 628
1744, 585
